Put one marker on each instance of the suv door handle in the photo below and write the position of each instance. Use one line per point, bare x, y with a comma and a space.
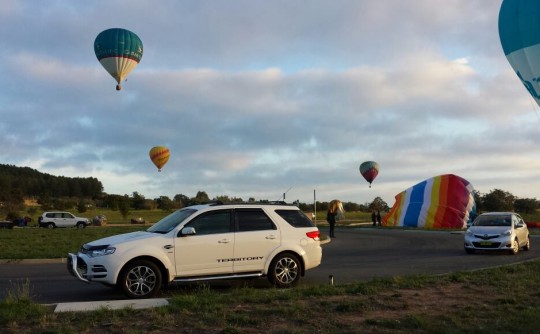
271, 236
168, 246
224, 241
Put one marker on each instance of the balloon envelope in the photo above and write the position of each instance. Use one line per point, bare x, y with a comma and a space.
119, 51
519, 31
159, 156
369, 170
444, 201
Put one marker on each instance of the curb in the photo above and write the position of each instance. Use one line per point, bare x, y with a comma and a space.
33, 261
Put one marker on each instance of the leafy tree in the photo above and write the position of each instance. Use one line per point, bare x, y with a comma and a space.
181, 200
525, 205
200, 198
378, 205
123, 206
478, 201
137, 202
165, 203
81, 206
498, 200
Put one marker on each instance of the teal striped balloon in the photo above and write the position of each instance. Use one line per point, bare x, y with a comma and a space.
519, 31
119, 51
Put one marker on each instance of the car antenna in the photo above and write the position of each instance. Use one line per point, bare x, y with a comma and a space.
283, 196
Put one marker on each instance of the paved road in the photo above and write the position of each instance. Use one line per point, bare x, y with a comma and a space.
354, 255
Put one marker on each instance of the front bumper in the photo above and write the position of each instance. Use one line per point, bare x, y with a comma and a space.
77, 268
500, 243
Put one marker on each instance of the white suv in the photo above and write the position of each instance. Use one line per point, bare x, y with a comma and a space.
61, 219
205, 242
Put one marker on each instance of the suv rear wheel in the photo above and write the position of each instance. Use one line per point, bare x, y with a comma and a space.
140, 279
50, 225
81, 225
284, 270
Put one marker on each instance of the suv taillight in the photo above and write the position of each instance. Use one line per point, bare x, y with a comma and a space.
314, 235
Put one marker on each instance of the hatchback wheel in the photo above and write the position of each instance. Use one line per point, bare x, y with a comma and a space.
284, 270
140, 279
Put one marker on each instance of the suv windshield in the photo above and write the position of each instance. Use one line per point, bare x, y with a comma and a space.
168, 223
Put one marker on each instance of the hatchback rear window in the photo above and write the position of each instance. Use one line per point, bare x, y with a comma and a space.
295, 218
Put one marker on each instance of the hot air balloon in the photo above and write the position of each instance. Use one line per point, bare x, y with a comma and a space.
119, 51
159, 156
443, 201
519, 31
369, 170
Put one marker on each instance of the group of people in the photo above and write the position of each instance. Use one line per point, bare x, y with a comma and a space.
336, 211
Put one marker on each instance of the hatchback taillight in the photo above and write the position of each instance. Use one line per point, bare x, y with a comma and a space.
314, 235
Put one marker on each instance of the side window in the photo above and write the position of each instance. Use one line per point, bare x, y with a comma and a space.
68, 215
58, 215
253, 220
49, 215
295, 218
212, 223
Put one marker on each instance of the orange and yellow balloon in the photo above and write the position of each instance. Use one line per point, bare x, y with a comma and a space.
159, 156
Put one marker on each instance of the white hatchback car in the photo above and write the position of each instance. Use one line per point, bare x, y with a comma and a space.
497, 231
204, 242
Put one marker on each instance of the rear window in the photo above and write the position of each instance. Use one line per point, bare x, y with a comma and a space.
295, 218
253, 220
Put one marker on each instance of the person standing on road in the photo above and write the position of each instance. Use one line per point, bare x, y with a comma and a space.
373, 218
331, 219
335, 211
379, 218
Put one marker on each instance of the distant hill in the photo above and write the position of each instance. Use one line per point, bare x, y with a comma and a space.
27, 182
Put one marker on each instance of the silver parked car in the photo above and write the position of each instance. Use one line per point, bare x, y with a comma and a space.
497, 231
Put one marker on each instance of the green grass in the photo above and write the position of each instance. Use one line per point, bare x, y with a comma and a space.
42, 243
500, 300
113, 216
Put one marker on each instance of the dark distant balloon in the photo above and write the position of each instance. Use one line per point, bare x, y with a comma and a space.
369, 170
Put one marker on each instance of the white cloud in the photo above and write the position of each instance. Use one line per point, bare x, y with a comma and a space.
255, 97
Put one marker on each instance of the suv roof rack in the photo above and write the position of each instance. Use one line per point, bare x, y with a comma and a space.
262, 202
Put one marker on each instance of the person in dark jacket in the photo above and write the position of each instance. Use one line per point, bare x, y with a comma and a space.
331, 218
373, 218
379, 218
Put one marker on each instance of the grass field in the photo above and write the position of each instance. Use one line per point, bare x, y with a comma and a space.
496, 301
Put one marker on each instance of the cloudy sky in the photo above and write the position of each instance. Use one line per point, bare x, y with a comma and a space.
256, 98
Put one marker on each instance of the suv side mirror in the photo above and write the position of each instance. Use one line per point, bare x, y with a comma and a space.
188, 231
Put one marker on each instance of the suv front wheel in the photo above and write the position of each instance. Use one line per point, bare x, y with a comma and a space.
284, 270
140, 279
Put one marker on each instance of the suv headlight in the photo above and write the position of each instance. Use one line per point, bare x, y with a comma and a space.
101, 251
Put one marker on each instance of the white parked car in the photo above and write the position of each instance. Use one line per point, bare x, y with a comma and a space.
497, 231
204, 242
61, 219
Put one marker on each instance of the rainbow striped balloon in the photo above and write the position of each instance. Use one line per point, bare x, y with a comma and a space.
444, 201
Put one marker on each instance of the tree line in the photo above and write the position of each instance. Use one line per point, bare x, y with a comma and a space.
65, 193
